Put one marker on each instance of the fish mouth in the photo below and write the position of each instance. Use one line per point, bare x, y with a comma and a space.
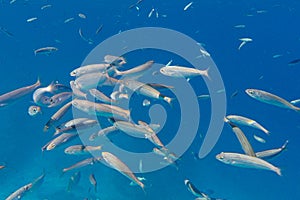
220, 156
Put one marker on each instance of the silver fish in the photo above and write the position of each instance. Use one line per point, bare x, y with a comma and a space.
240, 120
58, 115
102, 132
246, 146
114, 60
241, 160
271, 99
121, 167
92, 68
45, 50
100, 96
272, 152
101, 109
83, 163
60, 98
81, 149
10, 97
186, 72
39, 96
76, 91
78, 126
145, 90
136, 71
93, 181
59, 140
91, 80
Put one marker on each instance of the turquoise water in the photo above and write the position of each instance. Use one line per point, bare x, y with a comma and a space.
272, 25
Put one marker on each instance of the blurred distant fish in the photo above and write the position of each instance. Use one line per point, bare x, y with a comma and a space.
2, 166
187, 6
82, 16
68, 20
93, 181
83, 163
151, 12
115, 60
240, 26
244, 41
31, 19
6, 32
33, 110
46, 6
73, 181
81, 149
45, 50
272, 152
99, 29
259, 139
294, 62
14, 95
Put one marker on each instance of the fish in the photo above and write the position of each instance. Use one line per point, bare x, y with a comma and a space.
294, 102
294, 62
102, 132
271, 99
68, 20
45, 50
244, 41
31, 19
246, 146
183, 72
145, 90
93, 181
240, 26
245, 161
267, 154
91, 80
83, 163
59, 99
136, 71
187, 6
101, 96
22, 191
63, 138
82, 16
77, 126
33, 110
169, 158
99, 29
46, 6
88, 40
259, 139
39, 96
73, 181
204, 96
116, 95
146, 102
240, 120
133, 129
2, 166
6, 32
76, 91
101, 109
121, 167
10, 97
191, 187
115, 60
81, 149
151, 12
57, 115
91, 68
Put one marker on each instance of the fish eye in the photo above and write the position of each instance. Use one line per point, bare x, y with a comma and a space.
34, 110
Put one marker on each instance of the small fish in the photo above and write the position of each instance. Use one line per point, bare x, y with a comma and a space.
204, 96
204, 53
101, 96
46, 6
244, 41
121, 167
271, 99
240, 26
102, 67
6, 32
93, 181
272, 152
45, 50
234, 94
73, 181
191, 187
63, 138
60, 98
12, 1
240, 120
76, 91
277, 55
241, 160
183, 72
102, 132
187, 6
10, 97
151, 12
77, 126
294, 102
82, 16
33, 110
58, 115
68, 20
136, 71
2, 166
88, 40
146, 102
141, 166
115, 60
259, 139
99, 29
81, 149
31, 19
169, 158
83, 163
294, 62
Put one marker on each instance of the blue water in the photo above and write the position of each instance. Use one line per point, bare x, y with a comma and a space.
274, 28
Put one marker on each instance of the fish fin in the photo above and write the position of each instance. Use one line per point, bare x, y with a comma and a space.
284, 146
57, 131
205, 73
278, 171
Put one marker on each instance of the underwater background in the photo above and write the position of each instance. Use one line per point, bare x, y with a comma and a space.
262, 64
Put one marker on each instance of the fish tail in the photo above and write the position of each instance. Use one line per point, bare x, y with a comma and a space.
285, 145
205, 73
278, 171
